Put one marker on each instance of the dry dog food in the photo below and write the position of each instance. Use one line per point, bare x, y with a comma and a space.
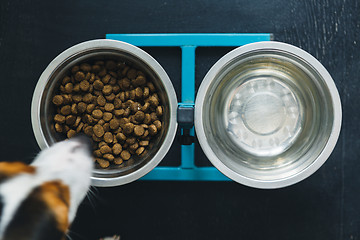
114, 104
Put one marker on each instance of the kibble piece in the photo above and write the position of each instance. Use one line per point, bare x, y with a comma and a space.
134, 146
125, 155
140, 80
131, 140
88, 76
153, 116
135, 107
79, 76
70, 120
97, 153
132, 94
77, 121
58, 127
117, 148
58, 100
159, 111
121, 137
114, 124
153, 101
128, 128
132, 119
102, 72
85, 67
139, 130
139, 116
84, 86
88, 130
67, 99
98, 85
97, 113
100, 144
151, 86
77, 98
103, 163
90, 108
117, 103
99, 130
81, 107
138, 92
65, 110
105, 148
106, 79
124, 70
146, 92
123, 121
110, 97
109, 107
132, 73
89, 119
157, 123
79, 127
119, 113
118, 161
146, 107
107, 116
147, 119
76, 87
101, 122
71, 133
107, 90
140, 150
88, 98
101, 100
146, 133
106, 127
95, 138
108, 157
74, 109
69, 87
127, 112
108, 137
124, 84
116, 88
144, 143
152, 130
66, 80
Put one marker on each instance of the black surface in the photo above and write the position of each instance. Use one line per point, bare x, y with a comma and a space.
324, 206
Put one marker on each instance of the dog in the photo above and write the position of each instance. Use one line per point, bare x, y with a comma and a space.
39, 201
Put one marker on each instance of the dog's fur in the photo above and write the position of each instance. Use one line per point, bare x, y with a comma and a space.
39, 201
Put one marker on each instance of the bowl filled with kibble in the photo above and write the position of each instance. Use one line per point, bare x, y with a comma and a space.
116, 94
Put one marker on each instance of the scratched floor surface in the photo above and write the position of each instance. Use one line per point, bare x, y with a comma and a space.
325, 206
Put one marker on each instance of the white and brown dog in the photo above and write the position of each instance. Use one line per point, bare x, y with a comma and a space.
39, 201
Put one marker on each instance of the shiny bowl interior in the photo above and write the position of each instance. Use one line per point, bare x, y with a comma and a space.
270, 115
43, 109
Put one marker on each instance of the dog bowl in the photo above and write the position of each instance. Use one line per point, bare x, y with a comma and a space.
267, 115
42, 110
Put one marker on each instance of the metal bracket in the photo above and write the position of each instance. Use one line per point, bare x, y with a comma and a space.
188, 42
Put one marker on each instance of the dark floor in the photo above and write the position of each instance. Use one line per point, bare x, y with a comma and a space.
325, 206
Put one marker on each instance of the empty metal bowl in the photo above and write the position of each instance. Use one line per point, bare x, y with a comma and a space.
267, 115
42, 110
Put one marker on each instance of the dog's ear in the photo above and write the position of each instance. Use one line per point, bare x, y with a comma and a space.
11, 169
43, 215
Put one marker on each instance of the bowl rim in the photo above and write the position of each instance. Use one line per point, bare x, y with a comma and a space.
138, 53
274, 46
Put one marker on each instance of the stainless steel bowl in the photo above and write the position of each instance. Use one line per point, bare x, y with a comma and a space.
267, 115
42, 110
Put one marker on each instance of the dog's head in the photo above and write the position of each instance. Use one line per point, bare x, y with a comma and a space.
39, 201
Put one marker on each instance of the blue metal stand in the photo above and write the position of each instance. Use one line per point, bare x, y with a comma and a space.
188, 43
